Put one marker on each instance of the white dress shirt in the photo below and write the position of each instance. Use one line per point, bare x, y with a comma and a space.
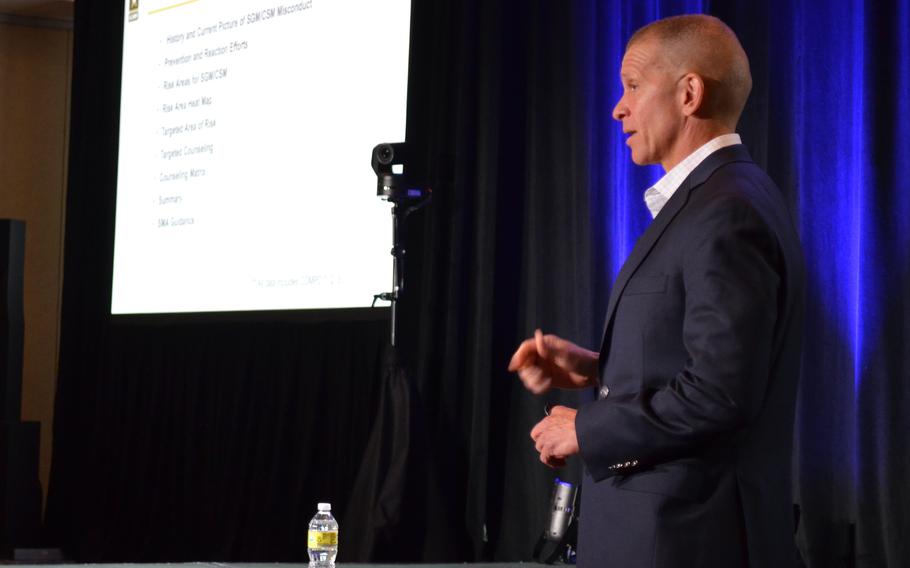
658, 194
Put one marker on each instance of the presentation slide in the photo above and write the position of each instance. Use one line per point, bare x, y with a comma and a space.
246, 131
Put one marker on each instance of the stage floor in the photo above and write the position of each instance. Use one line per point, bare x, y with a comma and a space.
273, 565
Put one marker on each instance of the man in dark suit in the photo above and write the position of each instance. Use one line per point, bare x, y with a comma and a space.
687, 448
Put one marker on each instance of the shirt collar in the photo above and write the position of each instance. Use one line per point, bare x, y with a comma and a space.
658, 194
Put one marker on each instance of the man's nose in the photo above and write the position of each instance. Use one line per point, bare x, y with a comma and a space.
620, 111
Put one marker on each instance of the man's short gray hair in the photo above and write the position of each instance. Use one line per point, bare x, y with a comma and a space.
705, 45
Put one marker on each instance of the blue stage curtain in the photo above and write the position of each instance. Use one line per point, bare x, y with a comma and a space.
828, 118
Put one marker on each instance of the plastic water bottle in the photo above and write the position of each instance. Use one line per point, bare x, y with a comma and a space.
322, 537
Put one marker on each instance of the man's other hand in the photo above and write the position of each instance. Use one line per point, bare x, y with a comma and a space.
554, 436
546, 361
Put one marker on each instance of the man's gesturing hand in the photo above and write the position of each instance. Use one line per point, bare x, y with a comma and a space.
546, 361
554, 436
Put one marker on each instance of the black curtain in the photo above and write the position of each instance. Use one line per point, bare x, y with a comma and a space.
185, 439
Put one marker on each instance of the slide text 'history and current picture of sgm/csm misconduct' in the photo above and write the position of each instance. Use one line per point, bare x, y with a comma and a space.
246, 129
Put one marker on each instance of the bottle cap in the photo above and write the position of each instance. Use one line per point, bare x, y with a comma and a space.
324, 507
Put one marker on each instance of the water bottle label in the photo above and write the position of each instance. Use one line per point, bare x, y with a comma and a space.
319, 539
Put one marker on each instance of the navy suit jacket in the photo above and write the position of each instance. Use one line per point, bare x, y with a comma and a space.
687, 456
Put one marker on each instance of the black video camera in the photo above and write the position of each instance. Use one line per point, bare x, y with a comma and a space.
394, 182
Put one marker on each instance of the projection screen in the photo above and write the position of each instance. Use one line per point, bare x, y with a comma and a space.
246, 127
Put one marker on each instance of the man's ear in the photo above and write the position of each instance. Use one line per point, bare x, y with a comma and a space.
692, 93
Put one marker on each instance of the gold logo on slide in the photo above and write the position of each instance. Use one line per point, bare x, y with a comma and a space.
134, 10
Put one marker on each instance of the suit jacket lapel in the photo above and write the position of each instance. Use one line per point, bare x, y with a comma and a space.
649, 238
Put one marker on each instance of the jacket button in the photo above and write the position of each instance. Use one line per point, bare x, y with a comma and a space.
604, 392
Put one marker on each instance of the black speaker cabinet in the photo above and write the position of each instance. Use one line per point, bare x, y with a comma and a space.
12, 266
20, 489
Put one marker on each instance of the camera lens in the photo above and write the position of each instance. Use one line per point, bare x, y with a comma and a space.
385, 154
